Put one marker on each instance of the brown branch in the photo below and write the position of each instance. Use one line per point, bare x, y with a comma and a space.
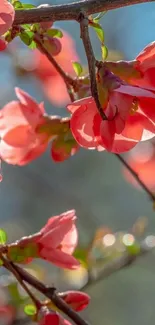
70, 11
115, 265
69, 81
91, 62
49, 292
135, 175
10, 267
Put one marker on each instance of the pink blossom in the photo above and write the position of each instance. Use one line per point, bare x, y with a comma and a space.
131, 118
20, 141
55, 242
7, 14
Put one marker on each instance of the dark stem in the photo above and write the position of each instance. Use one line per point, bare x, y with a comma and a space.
49, 292
10, 267
69, 81
70, 11
135, 175
91, 61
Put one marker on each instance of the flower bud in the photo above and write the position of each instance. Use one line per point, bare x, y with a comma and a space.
77, 300
52, 45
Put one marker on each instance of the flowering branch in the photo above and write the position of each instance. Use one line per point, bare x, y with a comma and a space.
70, 11
91, 61
135, 175
69, 81
49, 292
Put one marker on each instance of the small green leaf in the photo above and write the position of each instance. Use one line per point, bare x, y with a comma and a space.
8, 36
99, 16
30, 310
26, 37
17, 5
77, 68
28, 6
33, 45
54, 33
104, 51
98, 29
3, 237
81, 255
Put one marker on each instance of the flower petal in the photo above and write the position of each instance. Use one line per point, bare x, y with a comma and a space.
59, 258
82, 122
135, 91
19, 136
7, 14
30, 108
54, 237
55, 221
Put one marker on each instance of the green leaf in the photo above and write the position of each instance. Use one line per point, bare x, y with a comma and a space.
28, 6
33, 45
26, 37
8, 36
99, 16
54, 33
81, 255
3, 237
104, 51
17, 5
30, 310
99, 30
77, 68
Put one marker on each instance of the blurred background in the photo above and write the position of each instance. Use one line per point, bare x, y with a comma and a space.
90, 182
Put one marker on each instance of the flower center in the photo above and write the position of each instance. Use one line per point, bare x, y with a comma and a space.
134, 106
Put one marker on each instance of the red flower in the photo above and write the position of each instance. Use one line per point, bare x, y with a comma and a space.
140, 72
49, 317
20, 141
145, 64
131, 116
7, 14
51, 81
55, 242
76, 299
142, 161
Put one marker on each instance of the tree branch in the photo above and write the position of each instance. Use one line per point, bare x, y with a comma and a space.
135, 175
67, 79
91, 61
49, 292
70, 11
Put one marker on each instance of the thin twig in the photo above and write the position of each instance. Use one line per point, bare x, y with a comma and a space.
10, 267
91, 61
135, 175
49, 292
68, 80
70, 11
